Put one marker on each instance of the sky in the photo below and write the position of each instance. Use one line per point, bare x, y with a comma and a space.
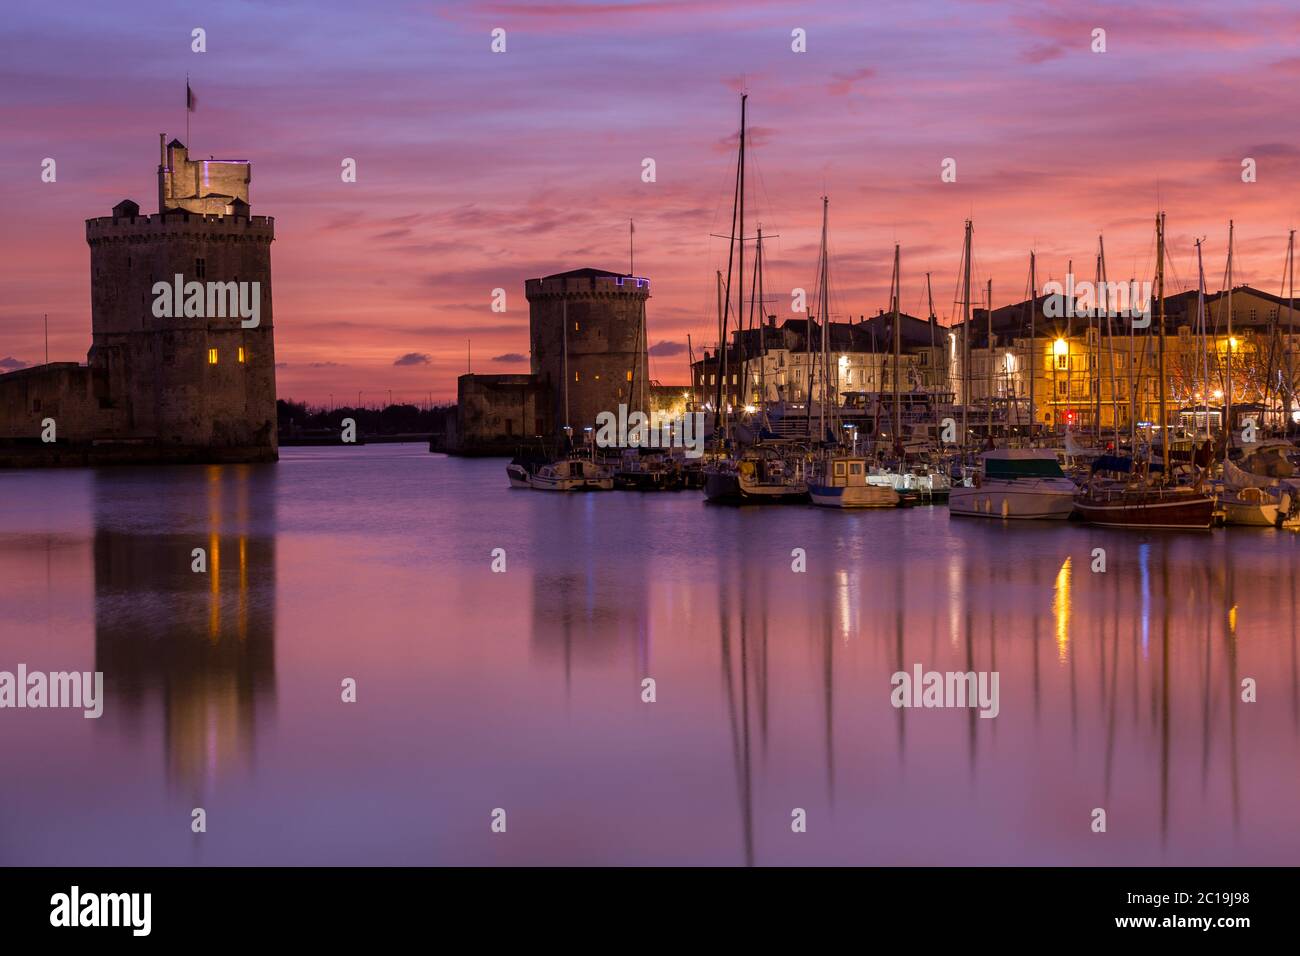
477, 170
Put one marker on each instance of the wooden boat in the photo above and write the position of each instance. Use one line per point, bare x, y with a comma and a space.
1146, 506
843, 484
1016, 483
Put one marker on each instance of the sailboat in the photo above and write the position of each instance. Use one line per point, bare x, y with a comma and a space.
839, 479
1147, 502
762, 473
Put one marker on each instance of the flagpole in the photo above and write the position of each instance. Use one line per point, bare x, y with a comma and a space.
187, 111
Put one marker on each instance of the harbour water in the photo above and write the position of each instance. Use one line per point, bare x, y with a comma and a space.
476, 690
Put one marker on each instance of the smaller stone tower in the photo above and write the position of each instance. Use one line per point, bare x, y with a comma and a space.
587, 329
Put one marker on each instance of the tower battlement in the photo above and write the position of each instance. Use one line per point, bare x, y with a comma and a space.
587, 282
179, 224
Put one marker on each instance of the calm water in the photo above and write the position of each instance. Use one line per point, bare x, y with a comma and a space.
522, 690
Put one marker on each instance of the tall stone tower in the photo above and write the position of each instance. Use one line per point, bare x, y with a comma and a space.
587, 329
202, 381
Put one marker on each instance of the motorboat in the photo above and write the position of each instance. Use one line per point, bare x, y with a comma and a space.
1016, 483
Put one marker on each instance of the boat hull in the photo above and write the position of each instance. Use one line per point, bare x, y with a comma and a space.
1168, 512
727, 488
858, 496
994, 499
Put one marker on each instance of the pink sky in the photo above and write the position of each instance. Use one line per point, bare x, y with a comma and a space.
478, 170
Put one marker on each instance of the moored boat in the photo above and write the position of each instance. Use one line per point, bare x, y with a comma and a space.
1016, 483
570, 474
843, 483
755, 478
1146, 506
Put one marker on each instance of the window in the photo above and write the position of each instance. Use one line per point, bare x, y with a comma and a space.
1060, 389
1062, 361
212, 356
575, 376
243, 356
576, 327
713, 380
839, 469
629, 375
855, 468
200, 268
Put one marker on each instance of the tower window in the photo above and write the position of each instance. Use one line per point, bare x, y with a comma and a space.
242, 354
576, 327
629, 375
212, 356
200, 268
575, 376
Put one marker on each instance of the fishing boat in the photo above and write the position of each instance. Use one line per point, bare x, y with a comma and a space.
760, 476
1016, 483
570, 474
843, 483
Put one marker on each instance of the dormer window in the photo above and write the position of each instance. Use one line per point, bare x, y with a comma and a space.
200, 268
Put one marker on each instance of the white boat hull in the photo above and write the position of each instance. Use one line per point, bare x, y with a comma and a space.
1029, 499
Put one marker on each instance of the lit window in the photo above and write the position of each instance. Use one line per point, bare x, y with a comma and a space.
212, 356
575, 376
576, 327
629, 376
243, 356
598, 378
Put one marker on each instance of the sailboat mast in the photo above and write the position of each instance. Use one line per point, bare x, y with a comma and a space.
1033, 349
1200, 329
1110, 349
965, 338
1094, 323
1290, 328
898, 348
756, 295
1160, 310
824, 307
988, 389
1227, 395
740, 255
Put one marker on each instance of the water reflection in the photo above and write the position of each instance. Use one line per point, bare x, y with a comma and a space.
1118, 689
199, 648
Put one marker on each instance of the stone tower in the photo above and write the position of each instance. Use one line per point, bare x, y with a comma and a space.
200, 377
597, 317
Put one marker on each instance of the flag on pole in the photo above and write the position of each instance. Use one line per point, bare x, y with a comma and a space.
190, 100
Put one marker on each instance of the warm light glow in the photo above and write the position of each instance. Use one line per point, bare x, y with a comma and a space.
751, 409
1232, 343
241, 353
212, 356
1061, 608
1011, 363
1218, 393
1060, 347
